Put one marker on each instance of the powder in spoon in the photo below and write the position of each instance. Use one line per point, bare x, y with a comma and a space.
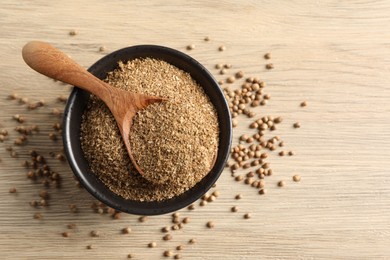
174, 142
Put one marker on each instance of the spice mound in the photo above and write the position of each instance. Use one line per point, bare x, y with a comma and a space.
174, 142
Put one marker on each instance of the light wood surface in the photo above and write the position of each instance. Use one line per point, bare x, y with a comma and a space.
334, 54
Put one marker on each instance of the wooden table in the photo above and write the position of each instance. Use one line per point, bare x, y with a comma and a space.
334, 54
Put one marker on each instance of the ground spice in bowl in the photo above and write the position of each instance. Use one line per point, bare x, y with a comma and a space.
174, 142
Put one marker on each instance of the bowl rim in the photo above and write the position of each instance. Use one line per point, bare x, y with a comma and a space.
85, 177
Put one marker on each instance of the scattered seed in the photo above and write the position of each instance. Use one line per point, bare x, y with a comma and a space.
186, 220
203, 203
165, 229
291, 153
222, 48
71, 226
192, 241
72, 32
89, 246
38, 216
281, 183
142, 218
239, 74
126, 230
210, 224
175, 227
190, 47
267, 56
179, 247
129, 256
262, 191
191, 207
102, 48
206, 39
12, 190
278, 120
167, 237
239, 178
297, 178
177, 256
216, 193
234, 209
297, 125
269, 66
303, 104
94, 233
152, 244
167, 253
230, 79
238, 197
247, 215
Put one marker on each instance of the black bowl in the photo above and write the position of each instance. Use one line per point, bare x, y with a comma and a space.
77, 103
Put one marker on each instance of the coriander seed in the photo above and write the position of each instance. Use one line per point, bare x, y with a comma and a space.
234, 209
12, 190
267, 56
94, 233
165, 229
269, 66
192, 241
222, 48
126, 230
71, 226
230, 79
167, 237
152, 244
297, 125
239, 74
72, 32
296, 178
210, 224
142, 219
303, 104
167, 253
281, 183
190, 47
247, 216
216, 193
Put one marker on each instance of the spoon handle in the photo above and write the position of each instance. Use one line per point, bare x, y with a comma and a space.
49, 61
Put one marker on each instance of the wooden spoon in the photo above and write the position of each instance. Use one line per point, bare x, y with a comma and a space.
49, 61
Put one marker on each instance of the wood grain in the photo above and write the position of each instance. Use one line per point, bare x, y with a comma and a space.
333, 54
